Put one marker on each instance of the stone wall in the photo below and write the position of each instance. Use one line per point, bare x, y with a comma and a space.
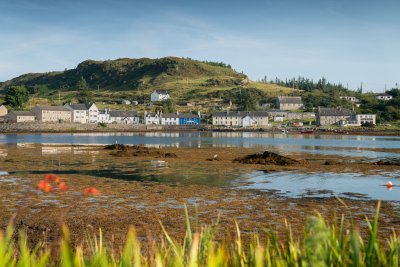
74, 127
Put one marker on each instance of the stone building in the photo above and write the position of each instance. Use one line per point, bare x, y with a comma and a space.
289, 103
20, 116
333, 116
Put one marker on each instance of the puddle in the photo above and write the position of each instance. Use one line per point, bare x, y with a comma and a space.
345, 185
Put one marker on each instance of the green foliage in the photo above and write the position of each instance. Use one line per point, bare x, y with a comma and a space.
386, 111
324, 245
84, 95
17, 96
305, 84
125, 73
168, 106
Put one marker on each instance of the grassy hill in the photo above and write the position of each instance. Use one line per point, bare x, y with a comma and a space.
185, 79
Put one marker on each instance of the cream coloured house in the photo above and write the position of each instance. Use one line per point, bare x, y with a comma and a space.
3, 111
241, 118
52, 114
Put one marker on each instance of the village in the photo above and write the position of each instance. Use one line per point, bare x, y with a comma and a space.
287, 109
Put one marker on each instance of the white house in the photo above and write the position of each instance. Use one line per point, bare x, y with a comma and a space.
125, 102
352, 99
104, 116
124, 116
159, 95
151, 118
383, 96
248, 121
83, 113
169, 119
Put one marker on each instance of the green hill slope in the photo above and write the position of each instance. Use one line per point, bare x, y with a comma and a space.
185, 79
130, 74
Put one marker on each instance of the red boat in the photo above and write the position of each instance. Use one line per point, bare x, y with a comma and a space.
307, 131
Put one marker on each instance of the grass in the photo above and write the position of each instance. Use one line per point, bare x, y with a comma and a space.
321, 245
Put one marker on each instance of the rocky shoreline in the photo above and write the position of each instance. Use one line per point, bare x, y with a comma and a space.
38, 127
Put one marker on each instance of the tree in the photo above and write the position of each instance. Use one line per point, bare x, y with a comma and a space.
82, 84
168, 106
84, 95
17, 96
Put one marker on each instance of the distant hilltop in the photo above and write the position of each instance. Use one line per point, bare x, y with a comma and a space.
134, 74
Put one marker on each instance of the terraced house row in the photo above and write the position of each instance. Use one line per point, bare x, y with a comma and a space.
76, 113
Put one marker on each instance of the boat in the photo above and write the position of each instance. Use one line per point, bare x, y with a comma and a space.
307, 131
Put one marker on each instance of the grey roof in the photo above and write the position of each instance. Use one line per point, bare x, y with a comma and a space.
169, 115
164, 92
80, 106
123, 113
241, 114
382, 94
277, 111
52, 108
23, 113
290, 99
335, 112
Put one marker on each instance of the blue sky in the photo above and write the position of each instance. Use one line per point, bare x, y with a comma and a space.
346, 41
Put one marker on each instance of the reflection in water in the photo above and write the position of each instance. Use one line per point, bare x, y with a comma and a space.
348, 185
341, 145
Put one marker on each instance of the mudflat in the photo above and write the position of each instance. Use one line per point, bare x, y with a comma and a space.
145, 186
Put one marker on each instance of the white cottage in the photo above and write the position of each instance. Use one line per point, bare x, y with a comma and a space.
124, 116
159, 95
151, 118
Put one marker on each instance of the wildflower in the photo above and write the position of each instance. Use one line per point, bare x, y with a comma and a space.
62, 187
91, 191
52, 178
45, 186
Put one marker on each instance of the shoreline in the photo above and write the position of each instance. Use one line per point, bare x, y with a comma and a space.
55, 128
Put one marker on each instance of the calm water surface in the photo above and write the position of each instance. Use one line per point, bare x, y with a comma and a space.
343, 145
288, 184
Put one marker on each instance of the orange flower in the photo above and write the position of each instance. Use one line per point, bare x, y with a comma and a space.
45, 186
62, 187
91, 191
52, 177
41, 185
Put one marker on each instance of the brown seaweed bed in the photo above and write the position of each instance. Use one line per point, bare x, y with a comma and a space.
145, 203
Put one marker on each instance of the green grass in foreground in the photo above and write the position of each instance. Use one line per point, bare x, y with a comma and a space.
321, 245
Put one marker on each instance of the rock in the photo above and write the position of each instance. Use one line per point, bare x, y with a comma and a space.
267, 158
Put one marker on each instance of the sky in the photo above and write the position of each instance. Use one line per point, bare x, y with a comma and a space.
346, 41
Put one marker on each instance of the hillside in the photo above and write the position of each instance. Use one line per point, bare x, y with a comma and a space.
206, 83
130, 74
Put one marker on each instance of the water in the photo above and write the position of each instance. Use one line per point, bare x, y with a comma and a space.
372, 147
344, 185
288, 184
